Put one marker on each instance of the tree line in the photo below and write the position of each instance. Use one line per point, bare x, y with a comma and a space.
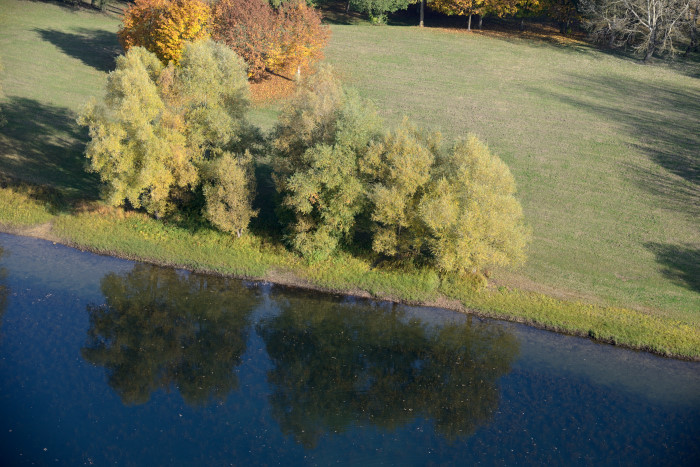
171, 136
644, 26
175, 138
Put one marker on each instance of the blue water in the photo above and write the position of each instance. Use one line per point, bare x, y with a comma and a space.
105, 361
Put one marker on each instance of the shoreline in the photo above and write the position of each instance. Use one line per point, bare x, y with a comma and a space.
289, 279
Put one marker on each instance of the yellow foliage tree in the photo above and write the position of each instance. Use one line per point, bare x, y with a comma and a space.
471, 213
163, 26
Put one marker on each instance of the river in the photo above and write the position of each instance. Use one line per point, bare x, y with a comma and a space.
108, 361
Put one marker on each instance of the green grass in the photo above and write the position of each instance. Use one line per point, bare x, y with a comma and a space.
20, 208
55, 58
604, 151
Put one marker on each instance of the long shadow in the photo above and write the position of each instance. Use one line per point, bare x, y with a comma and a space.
664, 119
96, 48
681, 263
43, 144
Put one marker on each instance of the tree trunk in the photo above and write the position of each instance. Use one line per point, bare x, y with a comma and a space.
693, 31
347, 8
469, 23
422, 7
652, 45
522, 24
481, 21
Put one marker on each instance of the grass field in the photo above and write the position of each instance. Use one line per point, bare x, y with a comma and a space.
605, 150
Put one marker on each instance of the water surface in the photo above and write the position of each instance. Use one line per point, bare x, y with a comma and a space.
106, 361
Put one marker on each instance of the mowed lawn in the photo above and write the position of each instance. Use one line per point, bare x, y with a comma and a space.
605, 151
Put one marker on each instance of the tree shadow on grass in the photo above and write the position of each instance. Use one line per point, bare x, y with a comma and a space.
681, 263
42, 144
96, 48
664, 121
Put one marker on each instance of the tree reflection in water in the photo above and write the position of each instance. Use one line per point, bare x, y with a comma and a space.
161, 328
338, 365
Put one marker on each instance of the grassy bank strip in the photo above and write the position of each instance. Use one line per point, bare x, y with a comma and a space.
19, 208
136, 236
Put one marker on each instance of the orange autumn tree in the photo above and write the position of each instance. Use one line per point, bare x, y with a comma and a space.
163, 26
268, 39
302, 37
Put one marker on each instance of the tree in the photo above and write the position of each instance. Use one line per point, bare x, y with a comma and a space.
302, 37
321, 136
471, 213
136, 143
564, 12
228, 188
458, 7
377, 9
399, 168
692, 20
163, 132
648, 26
276, 40
163, 26
247, 27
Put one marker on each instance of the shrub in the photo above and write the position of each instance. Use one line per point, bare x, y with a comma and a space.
163, 26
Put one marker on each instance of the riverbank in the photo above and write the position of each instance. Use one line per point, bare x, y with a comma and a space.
135, 236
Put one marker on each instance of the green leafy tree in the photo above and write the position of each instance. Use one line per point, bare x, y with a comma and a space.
471, 213
399, 169
160, 329
160, 128
337, 365
137, 145
377, 9
228, 188
321, 136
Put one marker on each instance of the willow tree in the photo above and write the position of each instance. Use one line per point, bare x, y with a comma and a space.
322, 134
159, 129
399, 169
471, 213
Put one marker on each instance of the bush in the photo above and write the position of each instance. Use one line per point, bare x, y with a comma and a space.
163, 132
163, 26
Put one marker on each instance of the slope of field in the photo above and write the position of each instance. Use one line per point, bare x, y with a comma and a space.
604, 150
